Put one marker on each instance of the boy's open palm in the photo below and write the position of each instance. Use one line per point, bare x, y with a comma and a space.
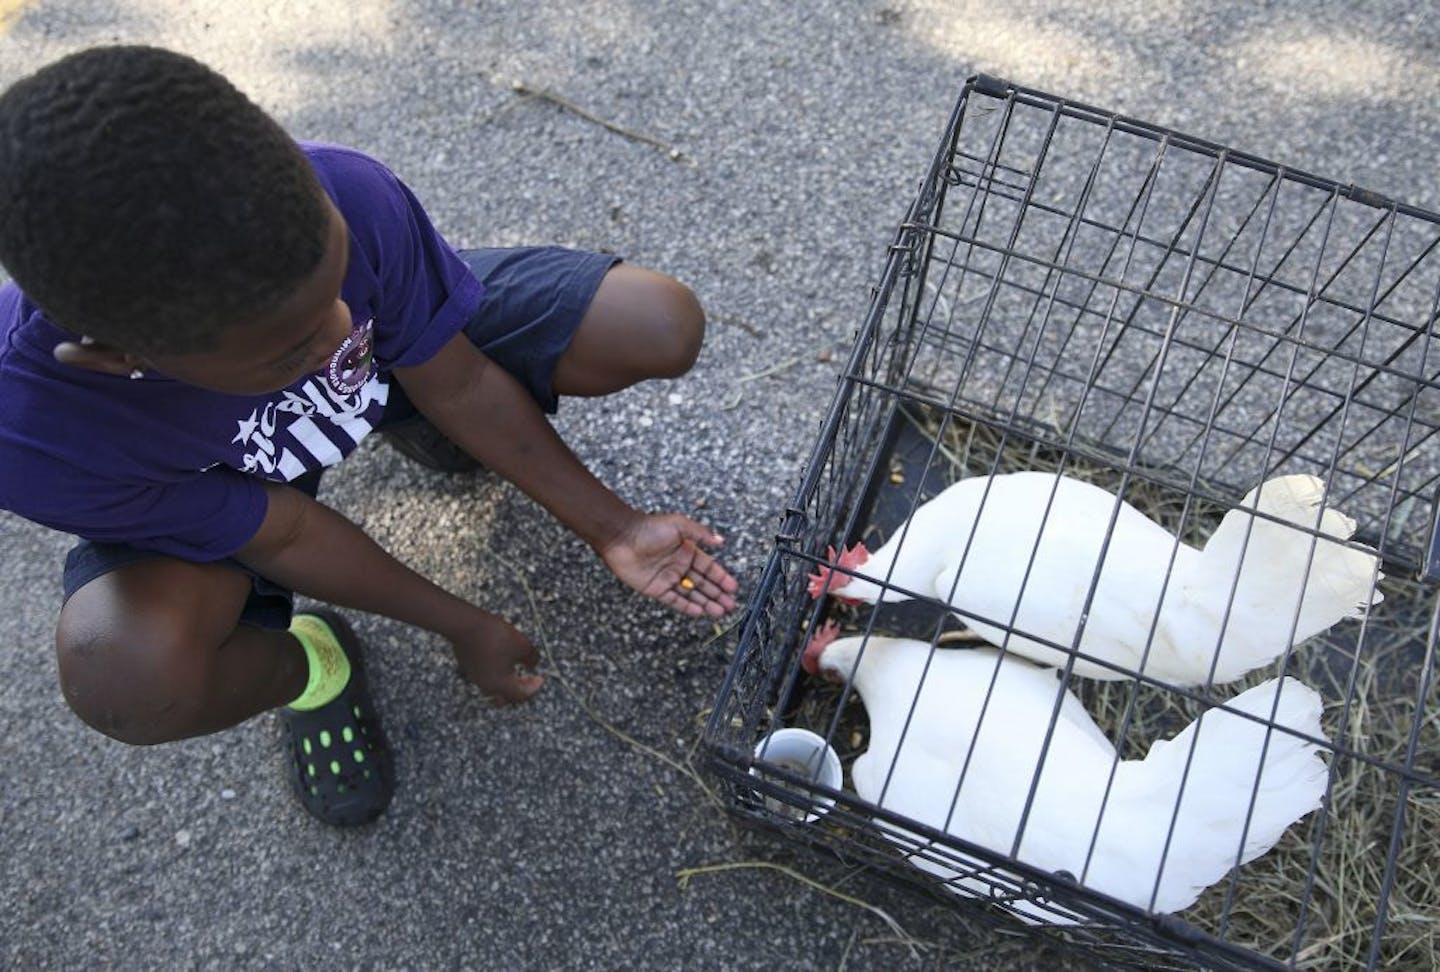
660, 556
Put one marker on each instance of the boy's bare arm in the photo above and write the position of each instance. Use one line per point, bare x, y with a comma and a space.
311, 549
486, 412
490, 415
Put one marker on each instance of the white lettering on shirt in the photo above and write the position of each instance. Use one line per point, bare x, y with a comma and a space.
299, 420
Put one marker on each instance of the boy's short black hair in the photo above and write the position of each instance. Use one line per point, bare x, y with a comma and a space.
147, 203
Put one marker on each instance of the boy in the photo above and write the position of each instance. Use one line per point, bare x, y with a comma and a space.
204, 316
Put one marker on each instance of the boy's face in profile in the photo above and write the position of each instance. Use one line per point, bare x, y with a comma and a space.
259, 356
293, 340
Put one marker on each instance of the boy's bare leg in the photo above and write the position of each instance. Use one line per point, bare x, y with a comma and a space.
152, 652
640, 324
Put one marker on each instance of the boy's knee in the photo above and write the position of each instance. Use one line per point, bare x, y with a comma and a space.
640, 325
139, 683
682, 332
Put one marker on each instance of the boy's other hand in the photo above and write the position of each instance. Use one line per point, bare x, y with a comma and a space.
494, 655
660, 555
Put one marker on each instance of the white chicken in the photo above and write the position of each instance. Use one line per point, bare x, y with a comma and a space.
1027, 546
957, 736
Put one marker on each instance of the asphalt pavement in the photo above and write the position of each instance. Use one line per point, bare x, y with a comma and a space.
761, 151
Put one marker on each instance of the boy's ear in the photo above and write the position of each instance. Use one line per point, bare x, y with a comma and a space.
94, 356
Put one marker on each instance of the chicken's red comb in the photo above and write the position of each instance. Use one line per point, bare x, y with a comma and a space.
826, 579
819, 641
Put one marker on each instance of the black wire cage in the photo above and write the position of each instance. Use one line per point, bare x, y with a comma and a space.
1086, 298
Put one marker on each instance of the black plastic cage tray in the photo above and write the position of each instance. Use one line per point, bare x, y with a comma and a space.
1176, 321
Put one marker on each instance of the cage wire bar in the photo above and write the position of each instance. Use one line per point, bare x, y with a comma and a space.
1175, 321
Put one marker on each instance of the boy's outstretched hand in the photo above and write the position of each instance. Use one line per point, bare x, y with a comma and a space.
660, 555
496, 657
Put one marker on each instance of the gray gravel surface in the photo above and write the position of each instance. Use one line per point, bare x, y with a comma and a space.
782, 142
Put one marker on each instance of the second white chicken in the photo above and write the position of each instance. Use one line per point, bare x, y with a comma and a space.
958, 737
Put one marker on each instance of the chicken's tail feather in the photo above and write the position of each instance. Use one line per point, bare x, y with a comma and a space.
1242, 779
1296, 574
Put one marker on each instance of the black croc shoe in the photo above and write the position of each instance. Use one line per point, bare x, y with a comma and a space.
416, 439
342, 769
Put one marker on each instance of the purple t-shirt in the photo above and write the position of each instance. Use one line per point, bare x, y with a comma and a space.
177, 469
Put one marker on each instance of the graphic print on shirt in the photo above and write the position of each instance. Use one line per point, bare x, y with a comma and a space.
320, 421
349, 366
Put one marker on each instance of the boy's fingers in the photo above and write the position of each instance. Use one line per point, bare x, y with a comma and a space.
714, 594
717, 582
704, 595
721, 578
702, 565
683, 602
521, 689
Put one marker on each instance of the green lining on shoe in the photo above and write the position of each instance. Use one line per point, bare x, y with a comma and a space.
328, 665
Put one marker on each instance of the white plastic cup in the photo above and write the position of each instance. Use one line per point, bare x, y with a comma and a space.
800, 752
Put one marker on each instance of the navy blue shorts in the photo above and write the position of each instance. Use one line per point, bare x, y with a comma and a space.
534, 300
535, 297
